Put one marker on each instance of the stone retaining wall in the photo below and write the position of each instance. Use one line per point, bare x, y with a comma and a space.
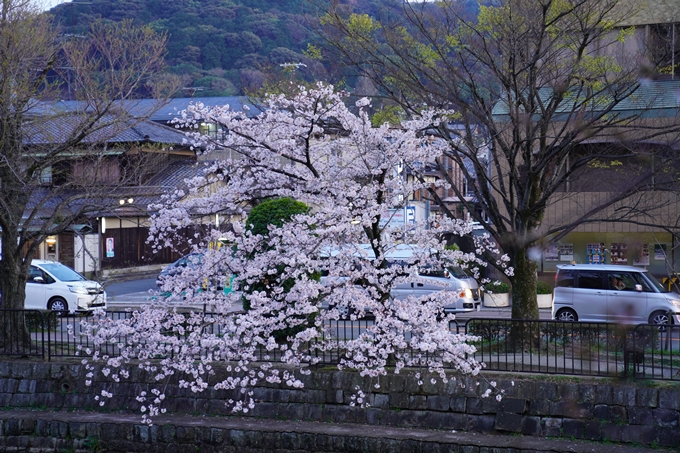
600, 410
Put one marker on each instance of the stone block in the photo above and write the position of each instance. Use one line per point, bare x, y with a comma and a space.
458, 403
545, 391
417, 402
142, 434
668, 437
603, 394
26, 386
315, 396
568, 392
667, 418
593, 430
573, 428
474, 406
611, 432
167, 434
513, 405
531, 426
646, 397
394, 383
586, 393
525, 389
373, 416
539, 407
623, 395
380, 400
77, 430
551, 427
399, 400
22, 370
571, 409
314, 412
334, 396
669, 399
506, 421
438, 403
639, 434
482, 423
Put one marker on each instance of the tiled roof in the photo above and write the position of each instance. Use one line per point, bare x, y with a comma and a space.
175, 174
656, 98
142, 108
58, 129
649, 12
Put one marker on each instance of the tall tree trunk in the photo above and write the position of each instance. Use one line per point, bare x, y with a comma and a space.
524, 304
15, 337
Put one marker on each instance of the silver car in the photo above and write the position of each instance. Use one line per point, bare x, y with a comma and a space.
612, 293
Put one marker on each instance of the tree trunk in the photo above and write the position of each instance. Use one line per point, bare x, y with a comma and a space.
15, 337
524, 304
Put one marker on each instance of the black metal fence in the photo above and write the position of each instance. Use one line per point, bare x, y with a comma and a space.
533, 346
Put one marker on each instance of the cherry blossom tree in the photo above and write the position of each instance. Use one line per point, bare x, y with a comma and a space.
315, 149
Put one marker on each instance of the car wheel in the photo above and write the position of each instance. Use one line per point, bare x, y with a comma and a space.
58, 304
660, 318
566, 314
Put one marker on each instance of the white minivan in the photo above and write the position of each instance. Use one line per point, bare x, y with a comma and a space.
612, 293
53, 286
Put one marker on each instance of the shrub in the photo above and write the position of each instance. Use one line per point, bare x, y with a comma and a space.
497, 287
277, 212
543, 288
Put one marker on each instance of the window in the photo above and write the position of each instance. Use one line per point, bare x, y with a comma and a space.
565, 278
590, 279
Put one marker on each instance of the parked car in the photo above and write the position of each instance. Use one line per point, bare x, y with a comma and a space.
462, 290
612, 293
190, 261
54, 286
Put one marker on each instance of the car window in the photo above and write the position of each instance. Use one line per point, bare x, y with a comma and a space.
433, 272
590, 279
457, 272
565, 278
622, 281
63, 273
646, 285
33, 273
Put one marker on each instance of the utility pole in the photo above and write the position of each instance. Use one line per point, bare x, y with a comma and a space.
73, 15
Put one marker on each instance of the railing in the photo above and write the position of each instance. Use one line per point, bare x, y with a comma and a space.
534, 346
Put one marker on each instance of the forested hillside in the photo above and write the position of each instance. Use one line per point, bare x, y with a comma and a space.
225, 47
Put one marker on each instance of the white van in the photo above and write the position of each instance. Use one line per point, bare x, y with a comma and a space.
53, 286
462, 290
612, 293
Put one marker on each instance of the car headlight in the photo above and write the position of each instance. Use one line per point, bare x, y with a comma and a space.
466, 293
675, 302
78, 289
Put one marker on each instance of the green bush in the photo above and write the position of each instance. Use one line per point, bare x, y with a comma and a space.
273, 212
277, 212
497, 288
543, 288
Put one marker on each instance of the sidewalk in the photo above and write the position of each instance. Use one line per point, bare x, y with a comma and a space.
115, 431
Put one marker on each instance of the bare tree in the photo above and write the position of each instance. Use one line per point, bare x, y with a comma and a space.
55, 168
552, 87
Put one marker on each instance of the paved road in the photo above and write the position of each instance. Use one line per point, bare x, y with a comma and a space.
135, 293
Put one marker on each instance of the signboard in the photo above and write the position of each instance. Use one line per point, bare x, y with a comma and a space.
109, 248
398, 218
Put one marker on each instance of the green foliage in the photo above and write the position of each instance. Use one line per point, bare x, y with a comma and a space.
543, 288
391, 114
277, 212
497, 288
273, 212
